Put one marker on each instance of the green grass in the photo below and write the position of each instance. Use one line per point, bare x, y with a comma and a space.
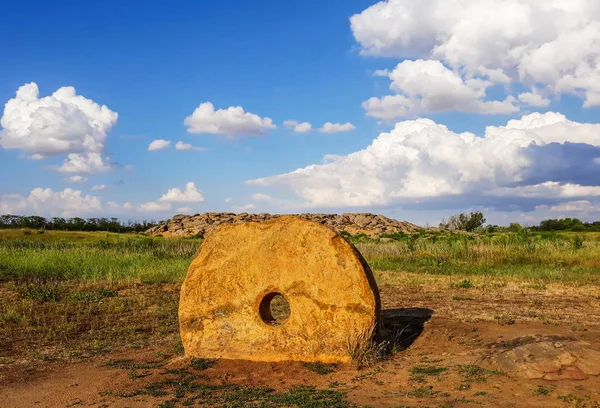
463, 284
429, 370
183, 390
579, 402
422, 392
539, 257
473, 373
541, 390
94, 295
96, 256
320, 368
69, 296
201, 363
92, 256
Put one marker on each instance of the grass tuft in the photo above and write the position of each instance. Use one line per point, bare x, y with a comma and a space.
364, 351
321, 368
201, 363
42, 293
541, 390
428, 370
473, 373
94, 295
463, 284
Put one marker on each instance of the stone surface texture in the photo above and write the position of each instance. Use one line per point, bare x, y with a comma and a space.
546, 358
330, 289
201, 224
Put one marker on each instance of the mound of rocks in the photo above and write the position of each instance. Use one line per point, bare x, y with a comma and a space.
201, 224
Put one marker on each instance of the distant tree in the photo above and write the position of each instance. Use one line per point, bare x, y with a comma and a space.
464, 222
474, 220
59, 223
492, 228
564, 224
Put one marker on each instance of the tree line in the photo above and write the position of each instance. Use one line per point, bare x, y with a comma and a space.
462, 222
74, 224
475, 220
567, 224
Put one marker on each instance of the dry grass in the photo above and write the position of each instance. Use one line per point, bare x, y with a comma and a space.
364, 350
81, 320
492, 298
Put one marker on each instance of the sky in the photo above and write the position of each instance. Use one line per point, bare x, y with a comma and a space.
415, 110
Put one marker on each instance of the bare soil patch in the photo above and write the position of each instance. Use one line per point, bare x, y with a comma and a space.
448, 361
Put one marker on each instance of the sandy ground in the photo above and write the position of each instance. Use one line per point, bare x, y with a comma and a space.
460, 327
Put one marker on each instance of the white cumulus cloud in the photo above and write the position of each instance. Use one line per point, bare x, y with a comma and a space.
99, 187
63, 123
298, 127
245, 207
388, 107
186, 146
233, 121
49, 203
165, 203
576, 206
77, 179
158, 144
534, 99
381, 72
422, 160
190, 195
427, 86
336, 127
127, 206
551, 44
155, 206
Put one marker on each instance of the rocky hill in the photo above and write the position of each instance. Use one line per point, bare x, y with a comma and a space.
201, 224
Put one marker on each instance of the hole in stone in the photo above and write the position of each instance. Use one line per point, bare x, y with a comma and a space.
274, 309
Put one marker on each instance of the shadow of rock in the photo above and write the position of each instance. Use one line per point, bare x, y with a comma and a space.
401, 327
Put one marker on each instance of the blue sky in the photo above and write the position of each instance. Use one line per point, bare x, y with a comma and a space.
154, 65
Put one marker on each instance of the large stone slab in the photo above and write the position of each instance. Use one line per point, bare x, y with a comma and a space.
535, 357
224, 307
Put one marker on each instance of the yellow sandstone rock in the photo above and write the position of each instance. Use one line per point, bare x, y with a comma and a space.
225, 309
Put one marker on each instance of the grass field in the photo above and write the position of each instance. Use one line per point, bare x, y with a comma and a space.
60, 288
107, 257
540, 257
93, 257
72, 296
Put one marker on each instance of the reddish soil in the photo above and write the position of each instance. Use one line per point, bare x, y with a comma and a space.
458, 333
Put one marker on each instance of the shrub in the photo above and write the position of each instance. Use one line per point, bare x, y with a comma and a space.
515, 227
464, 222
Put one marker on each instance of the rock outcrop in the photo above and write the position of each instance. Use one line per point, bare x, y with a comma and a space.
534, 357
201, 224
